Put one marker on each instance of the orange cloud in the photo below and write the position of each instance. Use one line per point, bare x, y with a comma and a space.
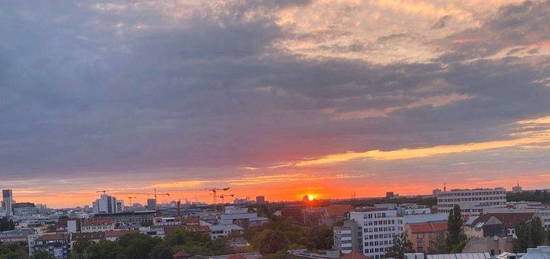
526, 138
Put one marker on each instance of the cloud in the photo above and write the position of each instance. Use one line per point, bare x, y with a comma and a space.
532, 137
205, 90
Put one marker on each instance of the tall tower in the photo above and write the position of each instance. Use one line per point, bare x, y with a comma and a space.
7, 198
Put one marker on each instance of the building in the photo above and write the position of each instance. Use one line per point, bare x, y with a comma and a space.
348, 237
106, 204
17, 235
57, 244
496, 224
379, 227
424, 235
131, 219
537, 253
471, 201
97, 225
24, 209
7, 202
151, 204
260, 200
241, 217
218, 230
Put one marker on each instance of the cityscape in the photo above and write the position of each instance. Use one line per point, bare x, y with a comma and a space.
275, 129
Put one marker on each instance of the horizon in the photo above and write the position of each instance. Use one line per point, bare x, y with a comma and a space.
280, 99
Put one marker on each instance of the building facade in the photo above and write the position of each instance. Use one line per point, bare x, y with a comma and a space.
379, 227
348, 238
471, 201
106, 204
7, 202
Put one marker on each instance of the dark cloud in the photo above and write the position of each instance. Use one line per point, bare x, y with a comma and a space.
89, 90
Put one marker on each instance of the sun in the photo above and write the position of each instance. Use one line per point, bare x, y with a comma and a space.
309, 197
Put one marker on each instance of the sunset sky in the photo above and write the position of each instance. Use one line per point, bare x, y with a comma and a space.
271, 97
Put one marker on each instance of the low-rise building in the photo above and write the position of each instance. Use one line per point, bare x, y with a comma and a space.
471, 201
131, 219
496, 224
57, 244
97, 225
424, 235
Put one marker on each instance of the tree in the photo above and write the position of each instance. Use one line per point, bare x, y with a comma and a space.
536, 232
6, 224
455, 237
401, 245
438, 245
521, 243
42, 255
319, 237
271, 241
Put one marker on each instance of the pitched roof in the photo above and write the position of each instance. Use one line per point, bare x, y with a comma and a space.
335, 210
53, 237
509, 220
428, 227
354, 255
98, 221
181, 254
191, 221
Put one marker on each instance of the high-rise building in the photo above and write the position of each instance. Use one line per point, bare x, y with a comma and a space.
471, 201
7, 201
105, 204
378, 228
260, 199
151, 204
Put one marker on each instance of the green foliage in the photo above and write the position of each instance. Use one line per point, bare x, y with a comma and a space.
282, 234
139, 246
538, 195
455, 236
401, 245
438, 245
6, 224
13, 251
537, 234
42, 255
319, 237
521, 243
529, 235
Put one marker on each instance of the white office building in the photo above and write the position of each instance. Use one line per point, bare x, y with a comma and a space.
379, 227
106, 204
471, 201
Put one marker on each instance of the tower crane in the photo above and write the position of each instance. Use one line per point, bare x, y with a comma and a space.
215, 190
225, 195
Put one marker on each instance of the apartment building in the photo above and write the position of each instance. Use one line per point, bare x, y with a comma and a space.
348, 237
379, 227
471, 201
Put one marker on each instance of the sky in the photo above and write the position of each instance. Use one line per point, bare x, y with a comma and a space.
334, 98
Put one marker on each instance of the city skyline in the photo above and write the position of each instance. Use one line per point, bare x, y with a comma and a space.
282, 99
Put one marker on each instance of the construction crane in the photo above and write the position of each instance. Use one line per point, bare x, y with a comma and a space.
215, 192
103, 191
154, 194
130, 198
225, 195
